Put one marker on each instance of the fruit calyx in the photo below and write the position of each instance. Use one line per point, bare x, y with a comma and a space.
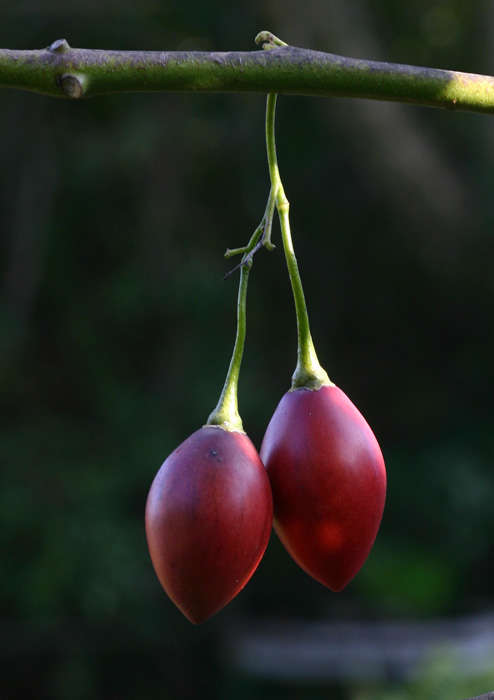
225, 419
308, 373
304, 378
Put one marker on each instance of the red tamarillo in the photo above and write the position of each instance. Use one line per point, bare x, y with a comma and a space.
208, 520
328, 480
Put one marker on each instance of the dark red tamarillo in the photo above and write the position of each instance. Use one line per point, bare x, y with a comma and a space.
208, 520
209, 511
328, 480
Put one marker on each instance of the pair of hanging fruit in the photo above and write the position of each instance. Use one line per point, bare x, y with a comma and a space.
209, 511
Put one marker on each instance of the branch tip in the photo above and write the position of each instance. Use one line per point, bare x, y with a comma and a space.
267, 40
59, 46
231, 252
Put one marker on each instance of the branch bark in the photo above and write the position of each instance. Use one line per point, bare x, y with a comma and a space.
61, 71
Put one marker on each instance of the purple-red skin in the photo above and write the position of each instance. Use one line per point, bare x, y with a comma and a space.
328, 480
209, 516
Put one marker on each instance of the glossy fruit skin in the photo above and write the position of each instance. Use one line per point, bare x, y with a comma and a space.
328, 480
209, 516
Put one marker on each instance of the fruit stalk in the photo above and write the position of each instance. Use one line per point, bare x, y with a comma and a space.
308, 373
226, 414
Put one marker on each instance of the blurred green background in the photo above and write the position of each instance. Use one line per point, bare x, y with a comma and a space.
117, 328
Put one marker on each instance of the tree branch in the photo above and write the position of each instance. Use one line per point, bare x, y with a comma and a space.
61, 71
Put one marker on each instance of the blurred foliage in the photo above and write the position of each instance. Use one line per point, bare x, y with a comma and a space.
438, 679
117, 328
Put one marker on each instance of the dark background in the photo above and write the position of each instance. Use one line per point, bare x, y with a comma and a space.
116, 330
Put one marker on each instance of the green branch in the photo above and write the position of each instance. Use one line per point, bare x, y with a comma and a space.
61, 71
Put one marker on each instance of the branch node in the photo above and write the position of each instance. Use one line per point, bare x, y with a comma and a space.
59, 46
73, 85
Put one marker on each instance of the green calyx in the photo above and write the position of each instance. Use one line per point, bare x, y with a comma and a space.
308, 373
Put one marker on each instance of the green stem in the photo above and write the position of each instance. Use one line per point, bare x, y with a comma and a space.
308, 373
226, 414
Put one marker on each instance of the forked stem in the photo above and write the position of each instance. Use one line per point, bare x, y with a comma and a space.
226, 414
308, 373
